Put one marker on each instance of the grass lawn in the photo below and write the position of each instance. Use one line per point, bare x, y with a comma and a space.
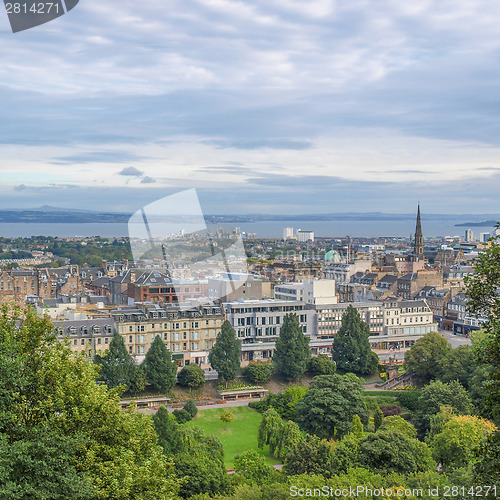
238, 436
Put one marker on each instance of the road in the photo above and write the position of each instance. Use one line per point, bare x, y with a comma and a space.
454, 340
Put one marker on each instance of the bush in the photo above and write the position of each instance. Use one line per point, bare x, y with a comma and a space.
191, 408
191, 376
321, 365
258, 373
182, 416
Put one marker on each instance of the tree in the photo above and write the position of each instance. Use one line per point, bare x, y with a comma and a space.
225, 354
182, 416
58, 423
331, 403
351, 349
252, 466
310, 456
191, 408
168, 431
456, 445
258, 373
435, 395
292, 352
386, 452
321, 365
395, 423
158, 366
227, 417
457, 364
191, 376
425, 356
200, 464
484, 301
378, 418
118, 367
357, 427
269, 429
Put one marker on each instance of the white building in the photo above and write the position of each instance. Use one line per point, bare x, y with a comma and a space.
317, 292
304, 236
288, 233
289, 291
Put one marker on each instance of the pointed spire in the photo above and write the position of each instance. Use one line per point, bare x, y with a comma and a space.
419, 239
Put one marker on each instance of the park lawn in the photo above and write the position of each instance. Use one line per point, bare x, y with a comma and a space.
237, 436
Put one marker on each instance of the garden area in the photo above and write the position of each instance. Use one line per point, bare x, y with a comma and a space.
237, 436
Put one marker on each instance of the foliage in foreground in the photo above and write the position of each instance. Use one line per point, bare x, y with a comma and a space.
64, 432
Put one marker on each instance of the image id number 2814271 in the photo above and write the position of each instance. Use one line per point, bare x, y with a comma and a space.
33, 8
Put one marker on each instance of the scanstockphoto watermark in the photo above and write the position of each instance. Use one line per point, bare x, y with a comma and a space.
363, 491
26, 14
360, 491
172, 236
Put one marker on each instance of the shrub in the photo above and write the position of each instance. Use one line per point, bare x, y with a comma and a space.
321, 365
182, 416
258, 373
191, 408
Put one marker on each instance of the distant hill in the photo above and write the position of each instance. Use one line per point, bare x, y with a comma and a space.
485, 223
54, 215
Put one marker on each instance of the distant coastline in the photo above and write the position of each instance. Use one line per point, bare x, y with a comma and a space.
53, 215
485, 223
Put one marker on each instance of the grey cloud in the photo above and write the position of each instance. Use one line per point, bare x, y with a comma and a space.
147, 180
98, 157
131, 171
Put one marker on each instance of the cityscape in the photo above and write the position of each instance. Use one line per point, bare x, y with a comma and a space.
249, 250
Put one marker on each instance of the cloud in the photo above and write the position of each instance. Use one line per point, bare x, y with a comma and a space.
21, 187
147, 180
98, 157
131, 171
396, 95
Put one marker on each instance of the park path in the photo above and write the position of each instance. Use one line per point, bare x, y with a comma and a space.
228, 404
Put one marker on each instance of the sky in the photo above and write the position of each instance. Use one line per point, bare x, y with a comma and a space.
269, 106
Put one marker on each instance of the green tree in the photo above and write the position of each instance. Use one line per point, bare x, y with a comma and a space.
118, 367
395, 423
321, 365
310, 456
456, 445
200, 464
378, 418
62, 425
227, 417
292, 352
158, 366
357, 427
252, 466
289, 436
425, 356
225, 354
182, 416
258, 373
484, 301
191, 408
270, 429
435, 395
457, 364
386, 452
329, 406
191, 376
170, 436
351, 349
42, 465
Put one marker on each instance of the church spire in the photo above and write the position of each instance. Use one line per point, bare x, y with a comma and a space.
419, 239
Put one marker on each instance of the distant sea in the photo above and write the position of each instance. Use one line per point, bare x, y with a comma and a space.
266, 229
